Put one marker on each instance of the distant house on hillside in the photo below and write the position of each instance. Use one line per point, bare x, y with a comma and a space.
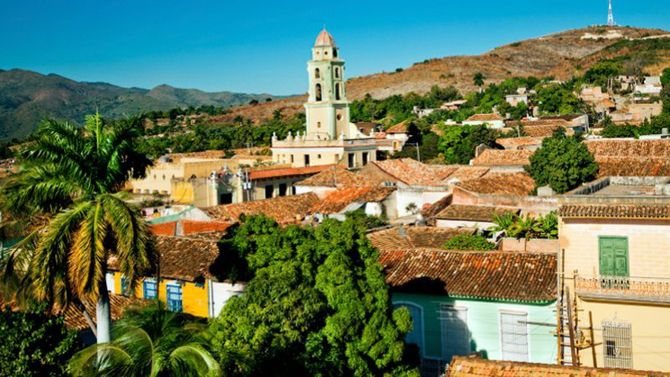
489, 120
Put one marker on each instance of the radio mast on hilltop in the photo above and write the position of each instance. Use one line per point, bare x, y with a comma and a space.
610, 15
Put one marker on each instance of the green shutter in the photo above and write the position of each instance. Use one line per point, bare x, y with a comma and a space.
613, 256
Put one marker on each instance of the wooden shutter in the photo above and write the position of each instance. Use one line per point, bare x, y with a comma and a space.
613, 256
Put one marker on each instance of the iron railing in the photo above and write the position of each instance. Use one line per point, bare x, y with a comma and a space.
624, 288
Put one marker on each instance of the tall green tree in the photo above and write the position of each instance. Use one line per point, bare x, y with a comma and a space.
317, 305
34, 343
563, 162
478, 79
459, 142
149, 341
71, 178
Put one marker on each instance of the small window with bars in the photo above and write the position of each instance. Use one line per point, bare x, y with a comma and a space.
514, 335
174, 297
150, 289
617, 345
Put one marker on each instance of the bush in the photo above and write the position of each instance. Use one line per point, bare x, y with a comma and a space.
563, 162
469, 242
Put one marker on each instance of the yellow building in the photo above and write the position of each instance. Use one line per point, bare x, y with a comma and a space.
188, 277
616, 251
330, 138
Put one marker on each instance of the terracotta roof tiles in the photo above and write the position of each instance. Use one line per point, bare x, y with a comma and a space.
518, 142
255, 175
338, 200
498, 276
476, 367
410, 237
627, 157
484, 118
518, 184
334, 176
412, 172
503, 157
472, 212
400, 128
74, 318
284, 209
615, 211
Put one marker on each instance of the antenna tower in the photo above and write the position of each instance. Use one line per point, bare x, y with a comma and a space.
610, 15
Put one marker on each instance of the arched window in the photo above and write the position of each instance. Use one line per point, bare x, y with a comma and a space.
337, 91
337, 72
318, 92
334, 52
317, 73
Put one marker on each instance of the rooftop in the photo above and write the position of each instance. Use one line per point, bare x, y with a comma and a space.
324, 39
519, 142
472, 212
411, 172
284, 209
400, 128
404, 237
517, 184
631, 157
484, 118
503, 157
476, 367
255, 175
334, 176
491, 275
618, 186
338, 200
623, 211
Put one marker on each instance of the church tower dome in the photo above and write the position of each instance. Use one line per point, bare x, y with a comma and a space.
324, 39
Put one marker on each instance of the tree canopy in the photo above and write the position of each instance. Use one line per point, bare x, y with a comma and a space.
458, 143
563, 162
316, 304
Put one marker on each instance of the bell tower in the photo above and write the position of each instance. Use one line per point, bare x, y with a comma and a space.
327, 109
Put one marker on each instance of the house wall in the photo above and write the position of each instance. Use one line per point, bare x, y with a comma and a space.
483, 323
221, 293
418, 196
484, 225
259, 186
195, 299
320, 191
532, 205
648, 259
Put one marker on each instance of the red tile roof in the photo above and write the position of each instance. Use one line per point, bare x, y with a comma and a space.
627, 157
410, 237
191, 227
491, 275
518, 142
615, 211
255, 175
400, 128
466, 172
518, 184
484, 118
412, 172
472, 212
182, 258
284, 209
475, 367
503, 157
334, 176
74, 318
164, 229
338, 200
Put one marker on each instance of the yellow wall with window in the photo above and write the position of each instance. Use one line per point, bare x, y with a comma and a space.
195, 299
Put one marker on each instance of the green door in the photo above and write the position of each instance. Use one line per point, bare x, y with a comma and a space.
614, 261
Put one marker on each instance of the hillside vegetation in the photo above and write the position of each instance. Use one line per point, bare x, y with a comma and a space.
27, 97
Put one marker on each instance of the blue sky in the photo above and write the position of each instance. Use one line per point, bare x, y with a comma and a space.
262, 46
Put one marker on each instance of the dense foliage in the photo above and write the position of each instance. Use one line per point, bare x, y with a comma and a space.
653, 126
665, 93
458, 143
317, 305
149, 341
469, 242
563, 162
527, 227
34, 343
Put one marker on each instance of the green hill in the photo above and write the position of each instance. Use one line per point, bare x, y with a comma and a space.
27, 97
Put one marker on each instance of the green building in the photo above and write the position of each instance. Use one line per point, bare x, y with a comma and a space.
499, 305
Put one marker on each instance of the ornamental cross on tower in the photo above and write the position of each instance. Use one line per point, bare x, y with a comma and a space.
610, 15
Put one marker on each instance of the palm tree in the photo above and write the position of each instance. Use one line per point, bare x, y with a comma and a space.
149, 341
70, 178
478, 80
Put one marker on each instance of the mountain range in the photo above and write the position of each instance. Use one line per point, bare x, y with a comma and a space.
27, 97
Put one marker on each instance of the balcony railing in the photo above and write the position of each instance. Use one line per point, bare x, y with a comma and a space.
642, 289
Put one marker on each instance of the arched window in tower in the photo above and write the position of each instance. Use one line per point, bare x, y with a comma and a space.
337, 72
318, 92
337, 91
317, 73
334, 52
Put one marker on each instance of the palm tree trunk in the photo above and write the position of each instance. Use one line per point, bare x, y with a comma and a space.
103, 313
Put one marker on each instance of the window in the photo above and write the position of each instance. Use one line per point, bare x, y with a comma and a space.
334, 52
124, 286
415, 335
318, 156
269, 191
617, 345
337, 72
454, 331
337, 91
613, 255
351, 162
174, 297
150, 289
317, 73
226, 198
282, 189
339, 116
318, 124
514, 336
306, 160
293, 191
318, 92
365, 158
291, 158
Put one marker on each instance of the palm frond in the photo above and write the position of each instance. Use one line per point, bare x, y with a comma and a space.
193, 360
88, 255
102, 360
49, 265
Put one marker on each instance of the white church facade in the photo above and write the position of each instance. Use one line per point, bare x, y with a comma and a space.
330, 138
